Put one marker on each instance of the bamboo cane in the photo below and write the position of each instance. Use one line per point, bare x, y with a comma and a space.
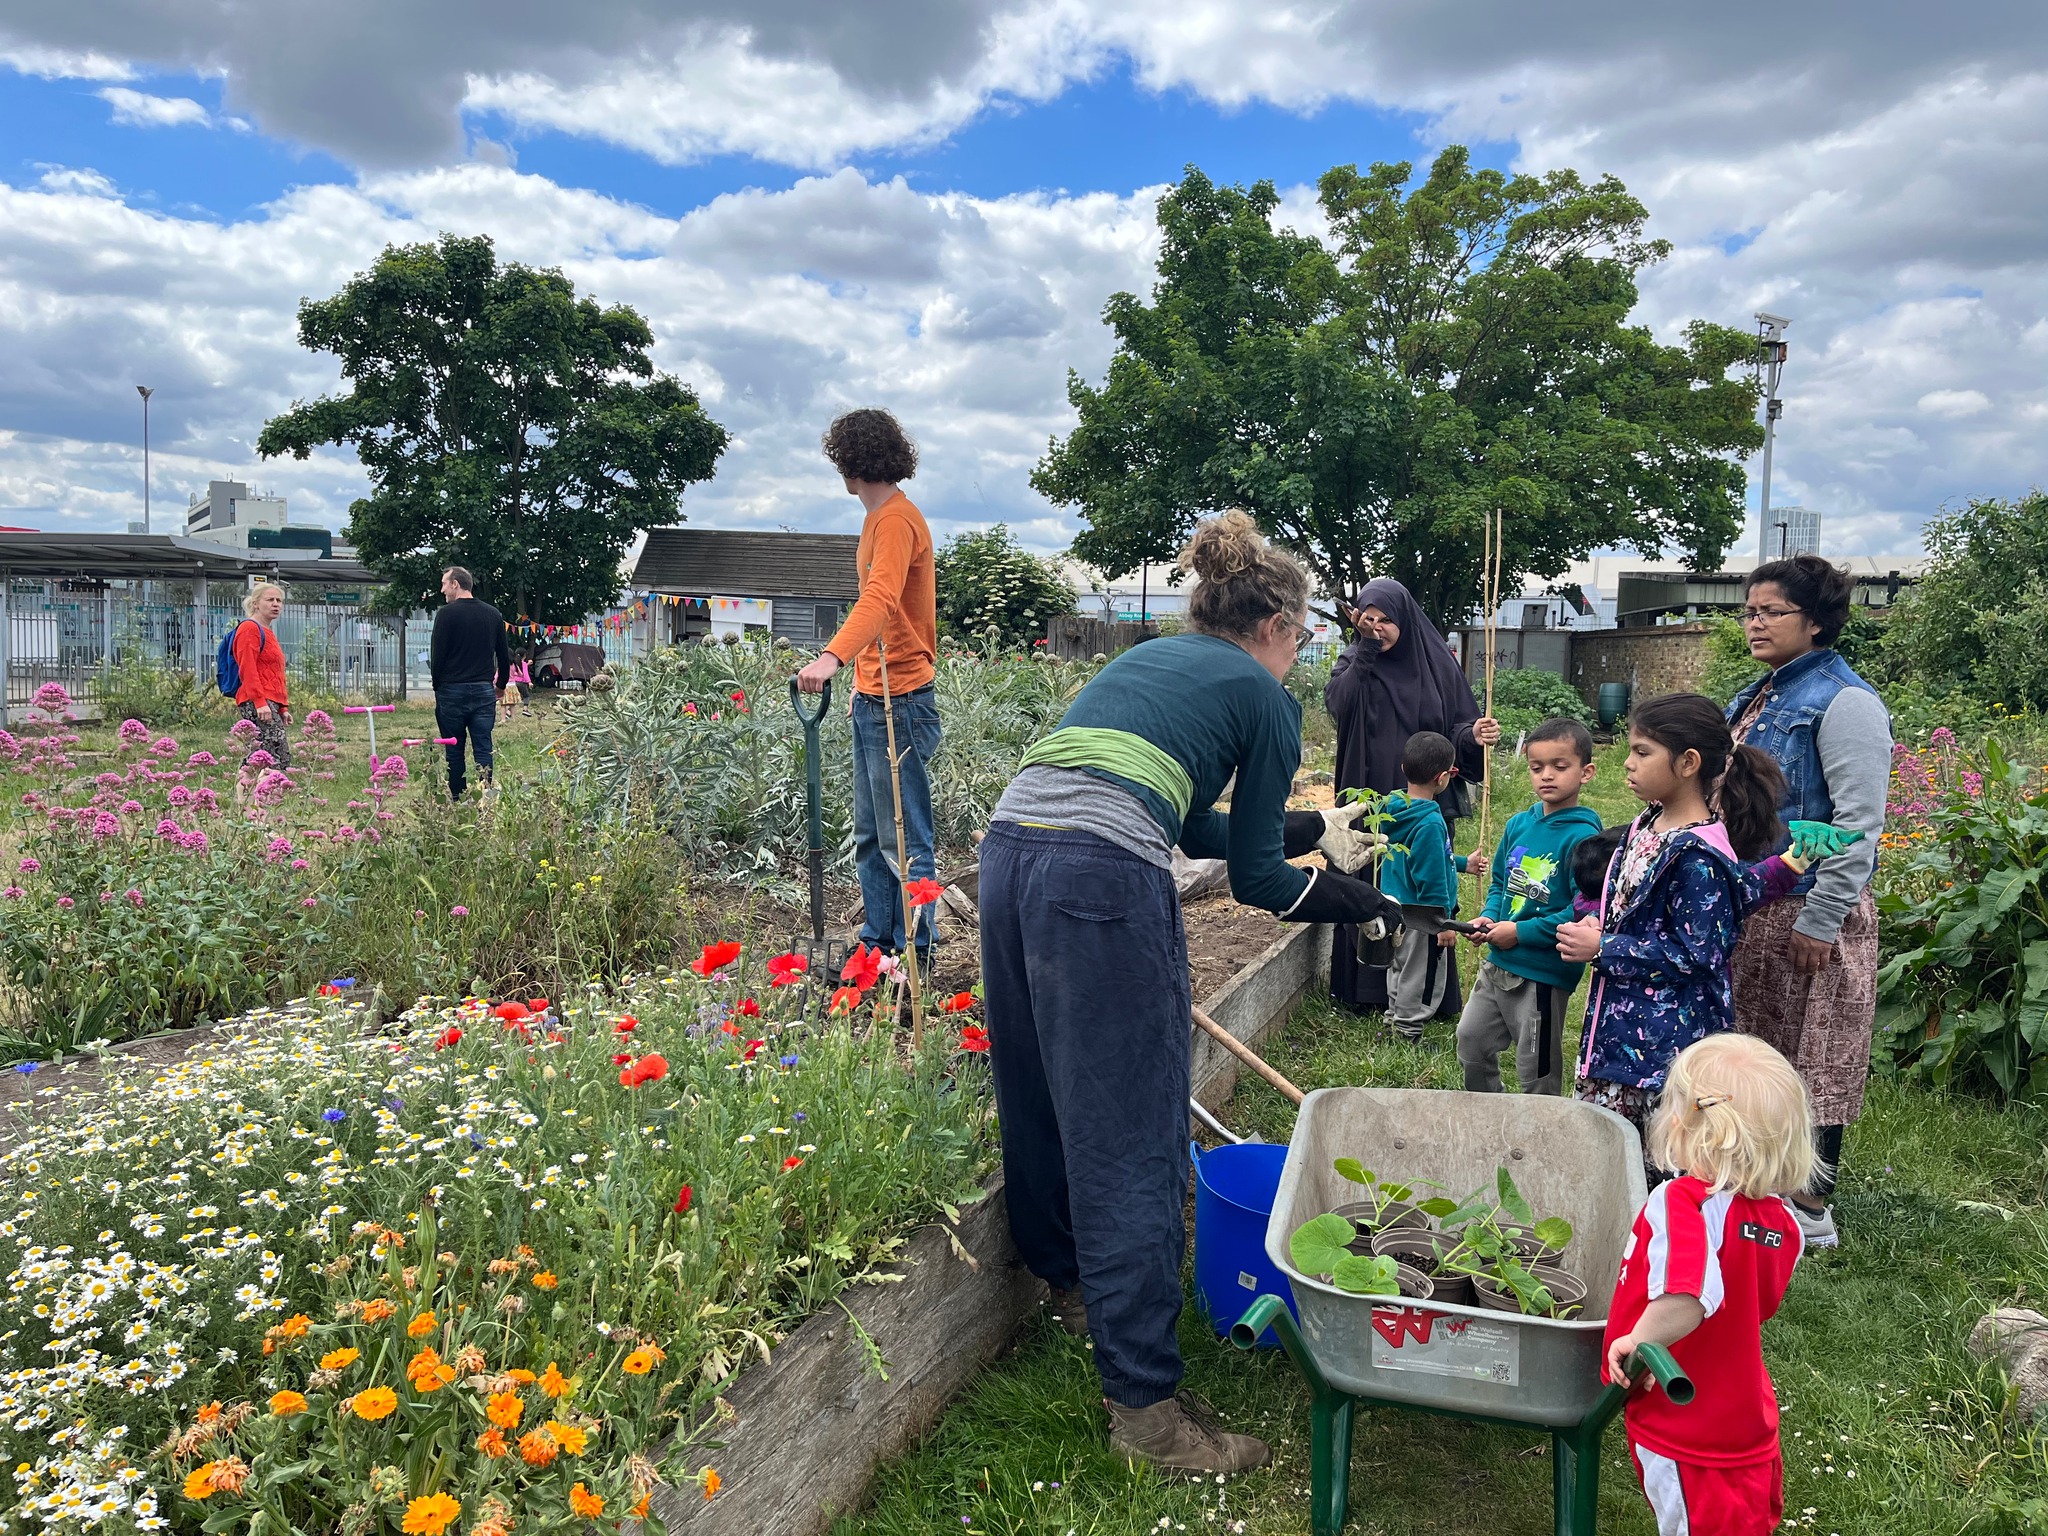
902, 857
1490, 588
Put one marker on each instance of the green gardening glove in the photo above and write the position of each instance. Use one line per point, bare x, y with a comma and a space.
1813, 840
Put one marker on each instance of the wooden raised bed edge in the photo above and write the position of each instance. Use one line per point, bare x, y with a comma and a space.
806, 1429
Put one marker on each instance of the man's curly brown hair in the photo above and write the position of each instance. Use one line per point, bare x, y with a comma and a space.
870, 444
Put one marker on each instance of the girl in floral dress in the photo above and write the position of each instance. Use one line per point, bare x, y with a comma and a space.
1677, 892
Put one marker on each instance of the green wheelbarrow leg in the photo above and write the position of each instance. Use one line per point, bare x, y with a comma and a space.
1576, 1451
1329, 1414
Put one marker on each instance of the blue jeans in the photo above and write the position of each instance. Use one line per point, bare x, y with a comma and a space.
1085, 964
472, 709
874, 813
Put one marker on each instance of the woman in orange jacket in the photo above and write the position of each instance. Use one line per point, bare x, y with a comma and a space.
259, 655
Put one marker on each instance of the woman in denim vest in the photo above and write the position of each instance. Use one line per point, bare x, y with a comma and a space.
1806, 969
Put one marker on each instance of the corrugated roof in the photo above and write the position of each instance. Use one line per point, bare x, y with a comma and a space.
704, 562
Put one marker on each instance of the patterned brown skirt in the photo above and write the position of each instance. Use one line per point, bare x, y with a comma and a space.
1820, 1020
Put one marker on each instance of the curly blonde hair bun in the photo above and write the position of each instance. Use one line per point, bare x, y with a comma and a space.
1241, 580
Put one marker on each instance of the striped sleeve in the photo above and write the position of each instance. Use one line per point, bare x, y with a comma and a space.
1685, 1242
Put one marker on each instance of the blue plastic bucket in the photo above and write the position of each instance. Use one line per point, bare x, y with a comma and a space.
1234, 1190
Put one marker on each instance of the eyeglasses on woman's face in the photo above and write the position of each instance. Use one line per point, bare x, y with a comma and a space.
1768, 615
1304, 637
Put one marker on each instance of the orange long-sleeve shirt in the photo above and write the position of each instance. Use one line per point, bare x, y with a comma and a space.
898, 602
261, 660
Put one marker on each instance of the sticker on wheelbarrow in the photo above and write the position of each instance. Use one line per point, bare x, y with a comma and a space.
1433, 1344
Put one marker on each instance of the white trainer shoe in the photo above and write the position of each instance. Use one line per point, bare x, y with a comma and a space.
1817, 1227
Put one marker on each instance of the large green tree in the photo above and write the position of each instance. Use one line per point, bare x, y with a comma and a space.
506, 424
988, 581
1455, 348
1977, 621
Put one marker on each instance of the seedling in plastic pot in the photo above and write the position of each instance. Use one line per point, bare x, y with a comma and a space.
1380, 1196
1318, 1248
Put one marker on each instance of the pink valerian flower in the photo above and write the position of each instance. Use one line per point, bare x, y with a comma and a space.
133, 733
1972, 783
52, 698
134, 896
310, 901
110, 780
105, 824
193, 842
458, 911
13, 893
319, 723
1941, 736
279, 847
66, 901
243, 731
180, 796
164, 747
272, 786
105, 897
29, 866
131, 807
260, 759
168, 828
202, 760
301, 864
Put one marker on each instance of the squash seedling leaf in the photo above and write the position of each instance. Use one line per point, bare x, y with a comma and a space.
1554, 1233
1396, 1191
1439, 1206
1318, 1246
1511, 1199
1376, 1276
1351, 1168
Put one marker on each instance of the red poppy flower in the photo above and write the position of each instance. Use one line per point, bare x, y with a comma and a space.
537, 1005
845, 1000
511, 1013
923, 893
863, 967
328, 989
747, 1008
792, 1161
449, 1036
738, 696
959, 1002
716, 957
753, 1049
621, 1059
973, 1038
787, 970
648, 1069
626, 1025
729, 1027
682, 1206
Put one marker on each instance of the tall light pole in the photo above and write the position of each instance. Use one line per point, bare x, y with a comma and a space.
1770, 357
145, 391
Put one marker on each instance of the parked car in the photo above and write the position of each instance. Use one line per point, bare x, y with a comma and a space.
569, 663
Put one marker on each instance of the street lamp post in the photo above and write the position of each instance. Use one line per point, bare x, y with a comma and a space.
145, 391
1770, 356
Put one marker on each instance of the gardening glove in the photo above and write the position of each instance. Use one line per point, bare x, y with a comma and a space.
1335, 898
1333, 834
1814, 840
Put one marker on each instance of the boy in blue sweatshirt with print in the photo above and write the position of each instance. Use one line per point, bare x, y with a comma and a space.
1421, 872
1523, 986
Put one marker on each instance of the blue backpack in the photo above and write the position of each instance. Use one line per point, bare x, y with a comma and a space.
227, 672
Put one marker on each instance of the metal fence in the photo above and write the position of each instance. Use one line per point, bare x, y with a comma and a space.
76, 638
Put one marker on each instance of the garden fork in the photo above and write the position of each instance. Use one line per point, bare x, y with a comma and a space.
822, 957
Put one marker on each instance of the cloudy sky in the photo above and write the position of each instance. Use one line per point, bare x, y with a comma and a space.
924, 204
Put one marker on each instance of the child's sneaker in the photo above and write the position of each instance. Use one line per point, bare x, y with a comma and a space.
1817, 1227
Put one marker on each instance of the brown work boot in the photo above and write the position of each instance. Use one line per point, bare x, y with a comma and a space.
1071, 1310
1179, 1438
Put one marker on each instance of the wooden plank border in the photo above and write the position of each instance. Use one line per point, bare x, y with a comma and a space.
806, 1429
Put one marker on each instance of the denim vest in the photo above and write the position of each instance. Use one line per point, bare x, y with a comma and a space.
1801, 692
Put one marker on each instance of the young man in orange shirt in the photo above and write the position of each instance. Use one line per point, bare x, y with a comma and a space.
898, 612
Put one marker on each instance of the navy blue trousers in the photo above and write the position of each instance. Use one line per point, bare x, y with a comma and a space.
1085, 969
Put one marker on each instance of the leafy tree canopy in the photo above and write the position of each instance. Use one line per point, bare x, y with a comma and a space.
506, 424
989, 581
1456, 348
1977, 622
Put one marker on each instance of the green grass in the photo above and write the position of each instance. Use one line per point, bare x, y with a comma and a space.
1889, 1426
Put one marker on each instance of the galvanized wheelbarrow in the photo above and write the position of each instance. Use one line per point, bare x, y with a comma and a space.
1570, 1159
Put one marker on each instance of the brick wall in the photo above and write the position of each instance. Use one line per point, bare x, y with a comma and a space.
1665, 659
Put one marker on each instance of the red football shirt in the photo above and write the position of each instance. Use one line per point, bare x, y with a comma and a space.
1735, 1254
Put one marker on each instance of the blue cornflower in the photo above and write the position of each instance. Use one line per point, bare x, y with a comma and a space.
26, 1067
343, 982
789, 1060
333, 1116
799, 1117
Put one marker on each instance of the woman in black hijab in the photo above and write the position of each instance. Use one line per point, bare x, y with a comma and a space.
1396, 678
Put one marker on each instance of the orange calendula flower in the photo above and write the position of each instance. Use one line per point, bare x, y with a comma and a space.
199, 1481
639, 1511
524, 1377
376, 1311
210, 1414
285, 1404
420, 1326
711, 1481
572, 1438
375, 1403
638, 1363
295, 1326
537, 1448
492, 1443
505, 1409
553, 1382
583, 1502
546, 1280
430, 1516
339, 1359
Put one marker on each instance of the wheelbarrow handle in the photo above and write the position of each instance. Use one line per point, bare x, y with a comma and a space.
1657, 1360
810, 718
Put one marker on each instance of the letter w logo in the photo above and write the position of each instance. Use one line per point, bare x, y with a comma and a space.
1394, 1322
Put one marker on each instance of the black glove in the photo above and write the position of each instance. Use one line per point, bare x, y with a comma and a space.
1335, 898
1304, 830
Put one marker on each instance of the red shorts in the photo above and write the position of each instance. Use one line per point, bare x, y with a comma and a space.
1691, 1500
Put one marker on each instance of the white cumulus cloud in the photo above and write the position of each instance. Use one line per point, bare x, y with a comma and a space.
139, 109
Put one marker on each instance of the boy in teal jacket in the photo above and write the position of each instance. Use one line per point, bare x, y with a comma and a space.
1421, 872
1524, 985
